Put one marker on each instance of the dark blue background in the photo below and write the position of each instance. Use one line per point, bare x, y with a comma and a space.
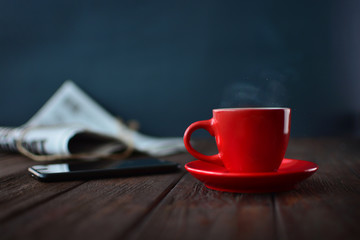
168, 63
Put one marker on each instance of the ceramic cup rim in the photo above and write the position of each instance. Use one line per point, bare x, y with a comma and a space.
249, 108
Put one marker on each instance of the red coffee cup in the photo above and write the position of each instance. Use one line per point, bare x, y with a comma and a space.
248, 139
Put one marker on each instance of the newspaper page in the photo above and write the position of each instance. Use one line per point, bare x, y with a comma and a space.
70, 118
60, 140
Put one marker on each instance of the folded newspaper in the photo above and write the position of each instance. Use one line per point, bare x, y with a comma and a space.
71, 124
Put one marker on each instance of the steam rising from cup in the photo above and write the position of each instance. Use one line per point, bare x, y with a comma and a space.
264, 91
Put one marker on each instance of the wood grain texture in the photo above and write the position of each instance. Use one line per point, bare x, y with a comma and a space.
102, 208
191, 211
13, 163
178, 206
326, 206
20, 193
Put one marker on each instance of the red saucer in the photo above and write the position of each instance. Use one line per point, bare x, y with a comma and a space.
216, 177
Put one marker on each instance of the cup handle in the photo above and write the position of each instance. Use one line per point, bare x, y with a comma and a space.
208, 126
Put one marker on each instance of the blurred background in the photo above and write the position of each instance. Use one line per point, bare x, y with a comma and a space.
169, 63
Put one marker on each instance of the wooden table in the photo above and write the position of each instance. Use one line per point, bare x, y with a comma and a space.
177, 206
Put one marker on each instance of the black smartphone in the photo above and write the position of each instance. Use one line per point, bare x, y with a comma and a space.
101, 169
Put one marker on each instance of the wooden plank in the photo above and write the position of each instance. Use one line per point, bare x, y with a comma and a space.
191, 211
13, 163
175, 207
3, 154
19, 192
96, 209
305, 213
325, 206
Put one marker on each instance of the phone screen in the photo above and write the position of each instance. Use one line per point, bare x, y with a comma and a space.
102, 169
